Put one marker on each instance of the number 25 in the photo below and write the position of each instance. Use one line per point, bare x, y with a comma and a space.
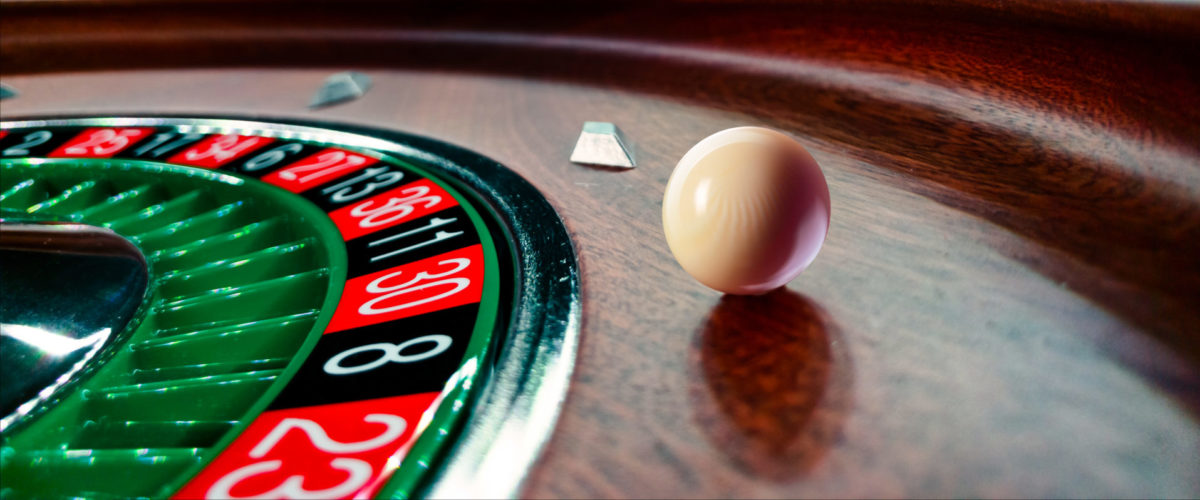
105, 141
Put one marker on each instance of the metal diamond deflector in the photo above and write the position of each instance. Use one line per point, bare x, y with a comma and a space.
341, 87
603, 144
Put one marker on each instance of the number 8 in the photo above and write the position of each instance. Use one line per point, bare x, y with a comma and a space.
392, 353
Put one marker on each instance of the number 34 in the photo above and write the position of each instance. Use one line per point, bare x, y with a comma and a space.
359, 472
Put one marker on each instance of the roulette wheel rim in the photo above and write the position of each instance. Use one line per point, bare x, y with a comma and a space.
514, 406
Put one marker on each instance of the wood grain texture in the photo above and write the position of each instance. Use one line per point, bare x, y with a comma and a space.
1008, 303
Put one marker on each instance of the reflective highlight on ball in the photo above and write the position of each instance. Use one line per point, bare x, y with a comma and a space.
746, 210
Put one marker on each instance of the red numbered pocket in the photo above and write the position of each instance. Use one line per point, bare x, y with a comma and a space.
328, 451
443, 281
219, 150
317, 169
393, 207
100, 142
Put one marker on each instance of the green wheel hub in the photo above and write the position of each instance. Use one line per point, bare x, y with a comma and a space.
243, 278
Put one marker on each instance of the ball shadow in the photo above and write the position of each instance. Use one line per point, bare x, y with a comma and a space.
777, 383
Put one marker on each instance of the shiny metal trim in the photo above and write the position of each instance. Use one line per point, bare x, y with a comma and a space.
517, 409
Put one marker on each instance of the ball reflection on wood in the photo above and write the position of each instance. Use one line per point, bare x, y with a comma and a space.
777, 388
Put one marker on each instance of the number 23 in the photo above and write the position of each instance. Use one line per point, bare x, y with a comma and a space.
359, 471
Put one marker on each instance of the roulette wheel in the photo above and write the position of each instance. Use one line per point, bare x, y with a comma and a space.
415, 292
259, 318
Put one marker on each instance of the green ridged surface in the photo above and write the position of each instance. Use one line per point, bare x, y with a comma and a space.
266, 262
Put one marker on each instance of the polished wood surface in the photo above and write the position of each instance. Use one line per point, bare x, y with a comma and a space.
1008, 303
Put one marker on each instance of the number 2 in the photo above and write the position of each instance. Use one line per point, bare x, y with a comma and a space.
32, 140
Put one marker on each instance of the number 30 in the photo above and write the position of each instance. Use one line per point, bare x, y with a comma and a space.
373, 306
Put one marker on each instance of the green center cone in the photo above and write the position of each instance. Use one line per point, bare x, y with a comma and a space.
243, 279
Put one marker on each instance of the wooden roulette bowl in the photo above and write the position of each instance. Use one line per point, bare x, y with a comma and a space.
1008, 300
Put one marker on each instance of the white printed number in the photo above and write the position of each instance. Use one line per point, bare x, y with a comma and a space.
159, 145
271, 157
391, 353
325, 164
395, 208
222, 149
378, 177
32, 140
358, 471
419, 282
105, 141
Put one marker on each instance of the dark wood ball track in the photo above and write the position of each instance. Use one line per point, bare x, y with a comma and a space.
1008, 302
